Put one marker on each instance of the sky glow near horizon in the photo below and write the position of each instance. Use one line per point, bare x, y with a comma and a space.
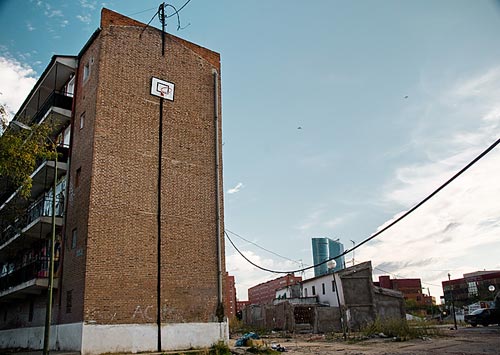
337, 118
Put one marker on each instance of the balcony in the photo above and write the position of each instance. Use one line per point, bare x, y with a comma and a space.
34, 224
29, 279
51, 94
58, 106
42, 178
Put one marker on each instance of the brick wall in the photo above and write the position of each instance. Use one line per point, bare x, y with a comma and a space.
75, 258
118, 157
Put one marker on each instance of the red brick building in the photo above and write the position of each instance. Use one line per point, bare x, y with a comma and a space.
230, 297
473, 287
265, 292
241, 304
139, 253
410, 288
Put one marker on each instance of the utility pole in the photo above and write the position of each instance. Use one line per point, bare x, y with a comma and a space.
452, 303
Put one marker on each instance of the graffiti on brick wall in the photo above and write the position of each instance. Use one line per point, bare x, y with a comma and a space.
104, 316
143, 313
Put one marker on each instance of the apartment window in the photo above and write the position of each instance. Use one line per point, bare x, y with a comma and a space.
314, 290
323, 288
86, 71
77, 177
69, 301
82, 120
333, 286
30, 314
74, 236
305, 292
473, 291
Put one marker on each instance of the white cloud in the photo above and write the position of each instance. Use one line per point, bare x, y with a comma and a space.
17, 81
54, 13
84, 18
320, 221
30, 27
236, 189
457, 230
91, 5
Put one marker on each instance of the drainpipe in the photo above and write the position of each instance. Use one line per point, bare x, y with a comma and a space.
220, 304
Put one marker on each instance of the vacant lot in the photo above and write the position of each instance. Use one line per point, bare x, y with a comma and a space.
480, 341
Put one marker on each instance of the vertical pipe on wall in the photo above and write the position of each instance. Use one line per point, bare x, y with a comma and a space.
220, 305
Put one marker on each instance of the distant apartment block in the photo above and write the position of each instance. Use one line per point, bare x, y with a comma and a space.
410, 288
265, 292
230, 296
473, 287
139, 217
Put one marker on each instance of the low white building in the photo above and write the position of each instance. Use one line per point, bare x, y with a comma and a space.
327, 288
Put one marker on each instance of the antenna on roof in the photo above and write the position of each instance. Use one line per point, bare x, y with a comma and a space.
161, 16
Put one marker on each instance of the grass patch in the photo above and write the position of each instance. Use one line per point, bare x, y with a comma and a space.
219, 348
262, 350
399, 329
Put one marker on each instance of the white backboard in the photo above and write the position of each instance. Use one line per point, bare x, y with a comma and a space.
162, 88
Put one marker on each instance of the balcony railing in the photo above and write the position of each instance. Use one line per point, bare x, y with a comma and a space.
41, 208
34, 270
55, 99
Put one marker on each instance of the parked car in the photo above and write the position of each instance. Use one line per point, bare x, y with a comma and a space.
484, 316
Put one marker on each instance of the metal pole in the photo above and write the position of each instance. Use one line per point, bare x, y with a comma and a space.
452, 303
158, 218
162, 19
342, 323
48, 312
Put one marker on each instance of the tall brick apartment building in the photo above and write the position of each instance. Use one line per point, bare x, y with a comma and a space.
139, 253
265, 292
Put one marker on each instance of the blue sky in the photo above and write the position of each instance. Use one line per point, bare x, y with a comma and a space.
337, 117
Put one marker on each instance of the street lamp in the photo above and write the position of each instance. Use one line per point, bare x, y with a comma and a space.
48, 312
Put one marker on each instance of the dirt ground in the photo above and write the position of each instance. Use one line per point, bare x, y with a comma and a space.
465, 340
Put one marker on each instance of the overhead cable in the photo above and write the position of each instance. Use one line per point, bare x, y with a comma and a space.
404, 215
261, 247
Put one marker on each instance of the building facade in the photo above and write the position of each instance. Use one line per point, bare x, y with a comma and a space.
139, 252
265, 292
230, 297
410, 288
473, 287
343, 301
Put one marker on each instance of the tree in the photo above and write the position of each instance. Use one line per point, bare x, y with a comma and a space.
20, 150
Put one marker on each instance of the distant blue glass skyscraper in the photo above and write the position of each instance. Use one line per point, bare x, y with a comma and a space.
323, 249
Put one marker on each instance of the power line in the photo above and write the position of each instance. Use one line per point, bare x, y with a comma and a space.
269, 251
404, 215
180, 9
140, 12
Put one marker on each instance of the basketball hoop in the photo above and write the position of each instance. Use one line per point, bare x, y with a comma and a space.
162, 89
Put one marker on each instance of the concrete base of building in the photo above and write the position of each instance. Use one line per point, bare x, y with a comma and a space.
91, 339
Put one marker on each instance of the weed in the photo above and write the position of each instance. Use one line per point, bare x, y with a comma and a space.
399, 329
219, 348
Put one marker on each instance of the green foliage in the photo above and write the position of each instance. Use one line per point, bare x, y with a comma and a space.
220, 348
262, 350
20, 150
